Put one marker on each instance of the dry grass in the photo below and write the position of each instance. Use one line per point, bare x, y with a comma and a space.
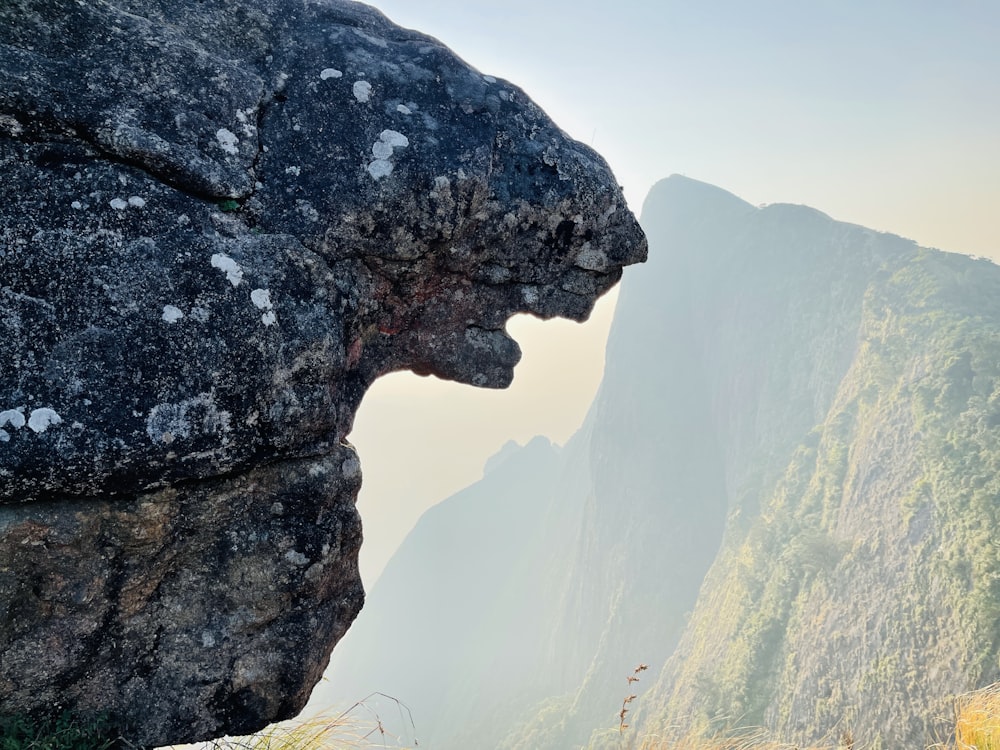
318, 733
748, 739
977, 720
632, 678
977, 727
359, 726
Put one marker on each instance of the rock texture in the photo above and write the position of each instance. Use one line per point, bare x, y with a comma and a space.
783, 500
219, 223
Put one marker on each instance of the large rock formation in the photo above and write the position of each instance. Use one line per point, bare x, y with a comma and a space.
784, 500
219, 223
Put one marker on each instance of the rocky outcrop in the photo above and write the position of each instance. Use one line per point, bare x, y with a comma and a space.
219, 223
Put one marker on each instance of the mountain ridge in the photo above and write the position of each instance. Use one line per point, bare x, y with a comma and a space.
780, 499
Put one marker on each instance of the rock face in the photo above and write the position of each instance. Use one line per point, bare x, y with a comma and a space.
856, 382
219, 223
783, 500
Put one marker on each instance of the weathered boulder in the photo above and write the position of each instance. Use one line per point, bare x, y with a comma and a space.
219, 223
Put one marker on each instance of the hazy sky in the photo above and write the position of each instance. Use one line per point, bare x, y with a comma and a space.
884, 113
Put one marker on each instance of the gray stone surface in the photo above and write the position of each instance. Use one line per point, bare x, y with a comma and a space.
219, 223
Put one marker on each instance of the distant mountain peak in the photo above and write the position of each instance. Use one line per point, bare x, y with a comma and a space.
678, 186
511, 448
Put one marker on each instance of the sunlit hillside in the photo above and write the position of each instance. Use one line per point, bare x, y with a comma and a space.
782, 500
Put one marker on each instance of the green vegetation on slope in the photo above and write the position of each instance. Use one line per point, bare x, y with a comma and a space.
61, 733
869, 585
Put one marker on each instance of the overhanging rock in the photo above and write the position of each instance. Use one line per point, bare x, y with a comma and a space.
219, 223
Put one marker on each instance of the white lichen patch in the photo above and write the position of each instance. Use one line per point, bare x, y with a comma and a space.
41, 419
319, 470
227, 140
394, 138
315, 572
261, 299
118, 204
403, 109
136, 201
307, 210
193, 417
294, 171
296, 558
442, 187
228, 266
76, 206
388, 141
591, 259
328, 73
12, 417
351, 467
380, 168
171, 314
362, 91
11, 125
246, 125
381, 150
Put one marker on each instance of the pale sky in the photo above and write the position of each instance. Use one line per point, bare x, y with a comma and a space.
884, 113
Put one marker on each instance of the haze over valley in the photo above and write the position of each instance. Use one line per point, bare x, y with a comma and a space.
884, 116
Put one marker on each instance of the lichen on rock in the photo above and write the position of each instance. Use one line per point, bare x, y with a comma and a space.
219, 224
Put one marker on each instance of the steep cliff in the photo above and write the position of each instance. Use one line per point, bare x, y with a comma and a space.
781, 500
856, 592
219, 223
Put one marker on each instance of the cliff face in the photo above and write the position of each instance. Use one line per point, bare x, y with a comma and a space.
781, 501
219, 223
856, 593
